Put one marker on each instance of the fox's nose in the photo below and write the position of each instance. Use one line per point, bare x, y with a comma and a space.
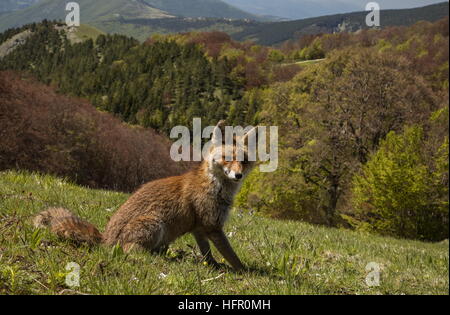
238, 176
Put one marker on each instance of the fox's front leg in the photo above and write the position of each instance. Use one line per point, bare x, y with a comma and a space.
223, 245
205, 249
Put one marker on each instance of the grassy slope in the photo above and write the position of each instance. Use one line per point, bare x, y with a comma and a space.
288, 257
143, 29
90, 11
201, 8
88, 32
85, 32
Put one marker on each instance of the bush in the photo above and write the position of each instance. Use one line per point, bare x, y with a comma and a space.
399, 193
281, 195
45, 132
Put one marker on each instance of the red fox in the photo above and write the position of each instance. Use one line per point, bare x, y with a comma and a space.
197, 202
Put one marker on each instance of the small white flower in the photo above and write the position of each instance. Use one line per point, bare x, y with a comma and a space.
162, 275
231, 234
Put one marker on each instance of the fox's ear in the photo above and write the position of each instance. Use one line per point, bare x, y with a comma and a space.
252, 134
217, 138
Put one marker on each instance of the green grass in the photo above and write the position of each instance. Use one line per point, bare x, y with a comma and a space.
304, 63
309, 62
286, 257
85, 32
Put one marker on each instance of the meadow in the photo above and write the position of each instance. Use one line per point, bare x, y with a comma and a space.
284, 257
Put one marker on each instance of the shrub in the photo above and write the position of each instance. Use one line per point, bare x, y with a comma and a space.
46, 132
398, 193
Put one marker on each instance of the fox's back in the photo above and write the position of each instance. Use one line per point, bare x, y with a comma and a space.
161, 199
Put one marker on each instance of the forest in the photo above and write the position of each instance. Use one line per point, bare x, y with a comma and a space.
363, 117
364, 134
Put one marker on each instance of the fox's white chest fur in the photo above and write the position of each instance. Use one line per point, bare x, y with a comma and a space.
218, 200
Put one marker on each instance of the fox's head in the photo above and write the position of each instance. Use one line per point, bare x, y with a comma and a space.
232, 161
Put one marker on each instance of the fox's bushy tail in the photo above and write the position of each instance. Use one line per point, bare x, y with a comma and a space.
66, 225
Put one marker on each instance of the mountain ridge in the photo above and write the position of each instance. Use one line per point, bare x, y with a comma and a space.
144, 18
274, 33
279, 32
294, 10
12, 5
95, 12
90, 11
201, 8
302, 9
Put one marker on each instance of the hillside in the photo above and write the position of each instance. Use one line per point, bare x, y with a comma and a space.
301, 9
278, 32
285, 257
141, 19
272, 33
82, 33
295, 9
158, 86
12, 5
201, 8
142, 29
108, 14
91, 11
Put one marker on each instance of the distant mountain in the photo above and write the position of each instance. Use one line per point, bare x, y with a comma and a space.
391, 4
201, 8
295, 9
91, 11
142, 29
106, 12
12, 5
301, 9
143, 18
278, 32
274, 33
